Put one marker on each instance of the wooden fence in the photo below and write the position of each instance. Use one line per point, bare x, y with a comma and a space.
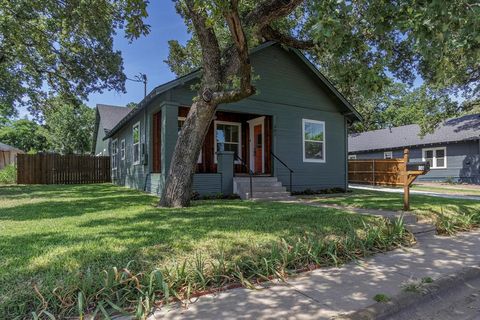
388, 172
51, 168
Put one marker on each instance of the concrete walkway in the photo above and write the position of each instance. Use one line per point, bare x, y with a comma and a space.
426, 193
330, 292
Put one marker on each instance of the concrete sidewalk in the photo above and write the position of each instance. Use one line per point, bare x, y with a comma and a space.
330, 292
426, 193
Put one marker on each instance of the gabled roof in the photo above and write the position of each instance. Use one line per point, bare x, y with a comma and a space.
452, 130
6, 148
111, 115
106, 118
197, 74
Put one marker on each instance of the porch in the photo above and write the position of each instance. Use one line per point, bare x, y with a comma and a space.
248, 135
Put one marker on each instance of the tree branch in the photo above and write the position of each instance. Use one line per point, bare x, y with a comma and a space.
240, 53
269, 10
268, 33
211, 54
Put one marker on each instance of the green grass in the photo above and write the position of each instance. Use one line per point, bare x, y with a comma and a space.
64, 237
449, 215
8, 175
455, 189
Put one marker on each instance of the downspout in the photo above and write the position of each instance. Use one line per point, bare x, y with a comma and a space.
346, 153
145, 154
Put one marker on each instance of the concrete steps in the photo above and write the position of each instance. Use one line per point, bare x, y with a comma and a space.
263, 188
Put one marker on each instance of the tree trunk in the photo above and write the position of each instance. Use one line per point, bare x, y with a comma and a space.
178, 186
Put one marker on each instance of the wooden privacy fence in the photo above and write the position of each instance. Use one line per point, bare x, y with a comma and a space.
387, 172
52, 168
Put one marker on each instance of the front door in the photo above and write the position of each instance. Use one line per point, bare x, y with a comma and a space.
257, 154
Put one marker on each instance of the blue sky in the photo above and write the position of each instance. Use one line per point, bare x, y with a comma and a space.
146, 54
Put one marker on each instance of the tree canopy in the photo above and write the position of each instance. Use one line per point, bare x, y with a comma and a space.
63, 48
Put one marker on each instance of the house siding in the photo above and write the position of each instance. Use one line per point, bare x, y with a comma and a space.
288, 91
101, 146
463, 161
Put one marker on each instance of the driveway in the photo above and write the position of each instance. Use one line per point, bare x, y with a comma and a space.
426, 193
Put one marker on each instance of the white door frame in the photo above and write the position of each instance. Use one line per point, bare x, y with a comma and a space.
251, 124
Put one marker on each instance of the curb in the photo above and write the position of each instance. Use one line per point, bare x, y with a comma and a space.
404, 300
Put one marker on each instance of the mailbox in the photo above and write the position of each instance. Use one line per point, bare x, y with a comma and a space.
418, 166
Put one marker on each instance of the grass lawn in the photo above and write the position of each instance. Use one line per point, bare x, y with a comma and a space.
454, 189
449, 215
52, 236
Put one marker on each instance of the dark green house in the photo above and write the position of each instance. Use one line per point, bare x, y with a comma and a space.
296, 121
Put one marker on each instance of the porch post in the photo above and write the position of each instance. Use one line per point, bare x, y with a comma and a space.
225, 167
169, 135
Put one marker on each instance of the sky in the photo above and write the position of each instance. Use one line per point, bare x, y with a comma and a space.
146, 54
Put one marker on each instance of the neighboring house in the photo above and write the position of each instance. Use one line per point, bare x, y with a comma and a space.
453, 149
106, 117
8, 155
297, 115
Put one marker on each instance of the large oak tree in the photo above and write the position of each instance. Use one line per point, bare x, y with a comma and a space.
65, 47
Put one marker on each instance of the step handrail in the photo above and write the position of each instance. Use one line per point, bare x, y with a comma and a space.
250, 172
285, 165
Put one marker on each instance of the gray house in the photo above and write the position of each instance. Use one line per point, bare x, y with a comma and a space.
296, 120
453, 149
106, 118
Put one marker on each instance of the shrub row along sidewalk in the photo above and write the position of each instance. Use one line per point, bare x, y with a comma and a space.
333, 292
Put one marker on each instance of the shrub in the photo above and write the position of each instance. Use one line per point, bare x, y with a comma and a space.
321, 191
8, 175
217, 196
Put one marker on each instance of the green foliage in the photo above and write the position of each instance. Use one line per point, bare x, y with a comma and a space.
399, 106
65, 241
24, 134
69, 127
381, 297
8, 175
63, 46
366, 47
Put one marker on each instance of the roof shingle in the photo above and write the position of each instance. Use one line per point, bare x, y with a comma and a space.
451, 130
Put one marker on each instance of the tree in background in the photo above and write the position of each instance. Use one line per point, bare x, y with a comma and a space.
63, 48
397, 105
24, 134
68, 126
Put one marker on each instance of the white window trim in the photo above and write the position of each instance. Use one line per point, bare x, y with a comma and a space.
434, 160
139, 144
324, 141
200, 156
352, 157
122, 149
114, 154
386, 153
239, 125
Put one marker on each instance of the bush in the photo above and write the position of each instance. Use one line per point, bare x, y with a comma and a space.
8, 175
217, 196
322, 191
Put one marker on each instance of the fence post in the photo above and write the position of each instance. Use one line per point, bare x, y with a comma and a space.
406, 184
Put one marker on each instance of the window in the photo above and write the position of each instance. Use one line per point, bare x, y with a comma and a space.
352, 157
181, 121
122, 149
136, 143
437, 157
227, 137
114, 154
388, 155
313, 141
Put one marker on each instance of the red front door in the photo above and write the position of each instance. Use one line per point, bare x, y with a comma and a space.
258, 148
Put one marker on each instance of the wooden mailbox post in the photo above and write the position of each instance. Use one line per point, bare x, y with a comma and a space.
411, 172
